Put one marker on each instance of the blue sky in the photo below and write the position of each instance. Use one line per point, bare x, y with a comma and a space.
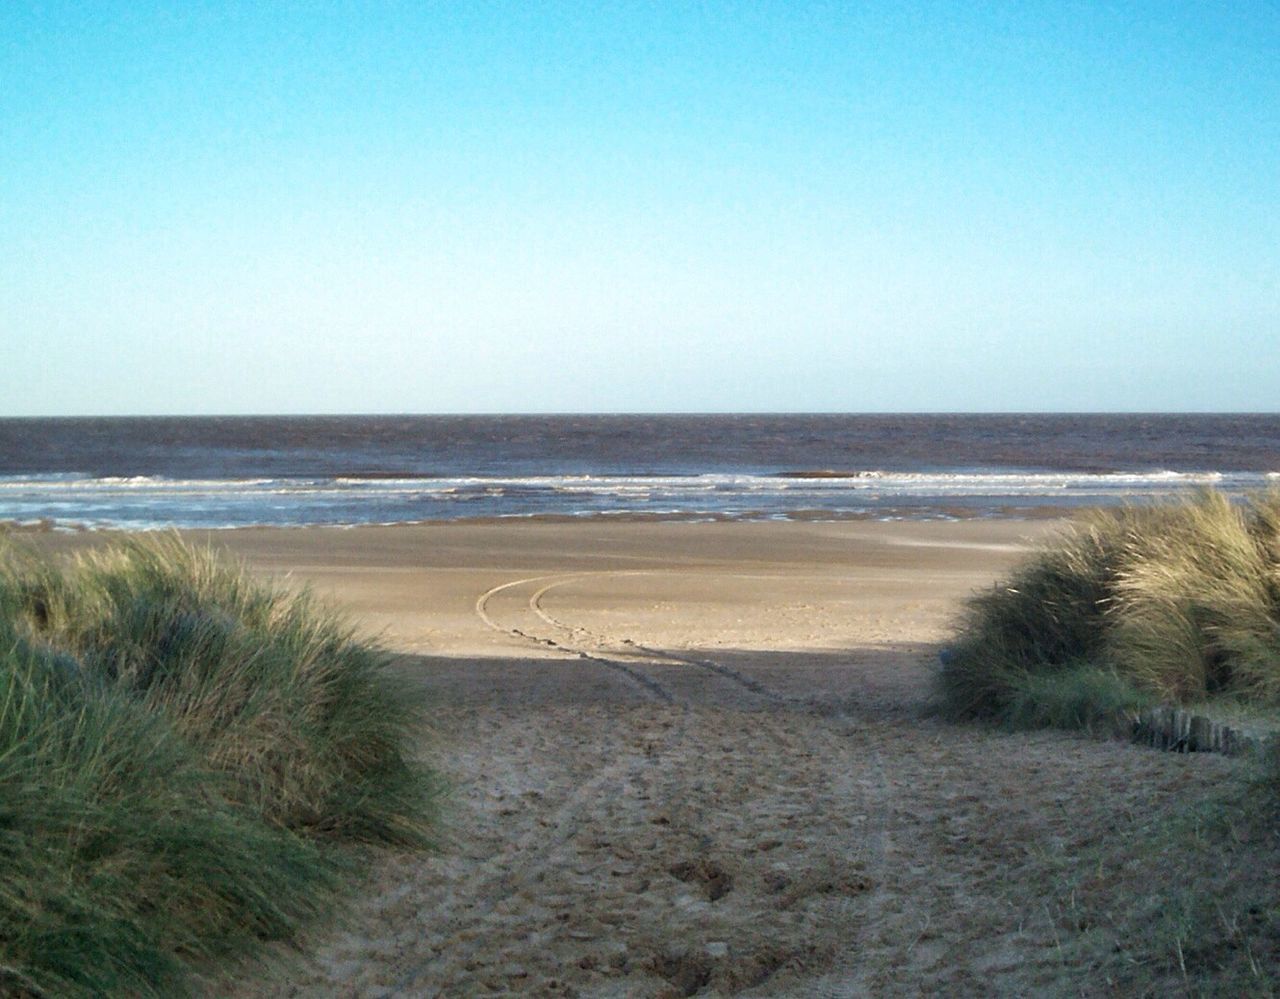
483, 207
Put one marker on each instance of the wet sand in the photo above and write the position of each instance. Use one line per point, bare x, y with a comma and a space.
694, 759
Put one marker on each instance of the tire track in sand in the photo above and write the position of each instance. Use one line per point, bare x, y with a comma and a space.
533, 850
657, 656
621, 665
472, 901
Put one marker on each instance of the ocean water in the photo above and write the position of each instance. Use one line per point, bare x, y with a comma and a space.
143, 473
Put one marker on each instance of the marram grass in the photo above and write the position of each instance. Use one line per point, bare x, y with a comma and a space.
187, 756
1175, 602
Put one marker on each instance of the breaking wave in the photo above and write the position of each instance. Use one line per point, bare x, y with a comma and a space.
147, 502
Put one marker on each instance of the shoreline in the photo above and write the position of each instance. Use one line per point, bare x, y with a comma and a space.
940, 514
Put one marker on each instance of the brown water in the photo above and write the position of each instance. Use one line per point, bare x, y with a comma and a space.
227, 471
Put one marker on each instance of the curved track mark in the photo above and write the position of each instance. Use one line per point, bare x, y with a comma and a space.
490, 882
650, 685
744, 681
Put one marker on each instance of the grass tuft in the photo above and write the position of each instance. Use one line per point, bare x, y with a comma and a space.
1195, 614
1177, 602
186, 756
1083, 697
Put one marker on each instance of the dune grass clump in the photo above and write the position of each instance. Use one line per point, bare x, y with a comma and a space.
121, 862
1043, 621
187, 756
1085, 697
1197, 605
1176, 602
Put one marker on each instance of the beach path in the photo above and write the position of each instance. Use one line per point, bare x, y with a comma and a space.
694, 759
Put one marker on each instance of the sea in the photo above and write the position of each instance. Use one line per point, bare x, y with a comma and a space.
145, 473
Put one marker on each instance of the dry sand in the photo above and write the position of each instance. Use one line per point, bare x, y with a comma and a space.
691, 758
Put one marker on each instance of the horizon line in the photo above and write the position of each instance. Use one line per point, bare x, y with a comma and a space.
401, 414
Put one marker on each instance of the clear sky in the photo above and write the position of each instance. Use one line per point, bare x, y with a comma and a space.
519, 207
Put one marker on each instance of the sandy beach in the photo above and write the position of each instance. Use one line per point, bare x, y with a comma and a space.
693, 758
